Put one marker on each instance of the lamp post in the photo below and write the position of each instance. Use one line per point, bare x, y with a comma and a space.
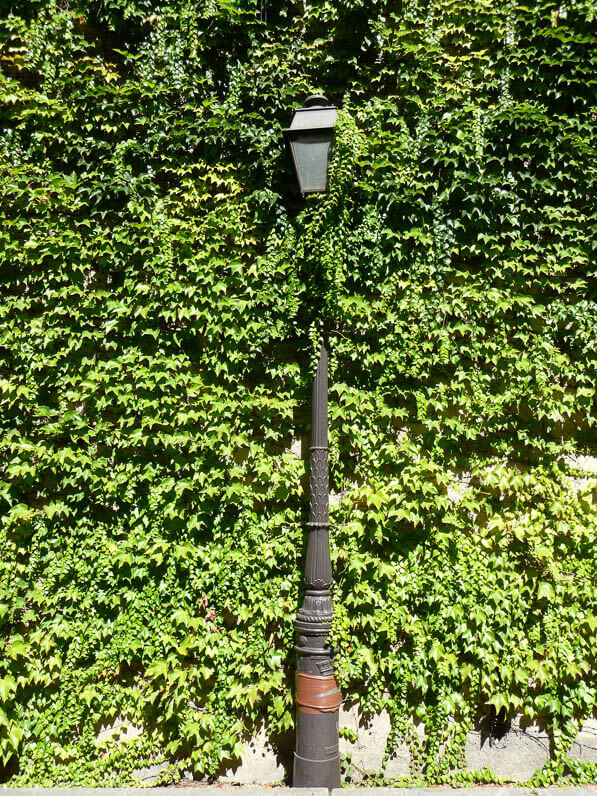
317, 756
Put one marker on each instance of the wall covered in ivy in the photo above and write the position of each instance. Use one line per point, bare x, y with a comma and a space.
162, 291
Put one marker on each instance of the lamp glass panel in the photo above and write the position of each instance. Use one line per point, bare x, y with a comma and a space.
311, 154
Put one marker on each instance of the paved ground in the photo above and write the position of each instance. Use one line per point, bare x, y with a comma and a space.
230, 790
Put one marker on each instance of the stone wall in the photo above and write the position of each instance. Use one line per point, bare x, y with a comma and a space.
515, 755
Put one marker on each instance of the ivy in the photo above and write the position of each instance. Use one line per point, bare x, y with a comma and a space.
163, 294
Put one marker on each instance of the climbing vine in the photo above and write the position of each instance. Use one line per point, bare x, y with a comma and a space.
163, 289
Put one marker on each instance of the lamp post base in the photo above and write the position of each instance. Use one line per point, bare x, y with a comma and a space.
317, 760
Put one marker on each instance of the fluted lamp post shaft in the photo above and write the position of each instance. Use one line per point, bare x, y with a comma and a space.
317, 756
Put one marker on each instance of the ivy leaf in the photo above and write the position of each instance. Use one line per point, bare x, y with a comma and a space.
545, 591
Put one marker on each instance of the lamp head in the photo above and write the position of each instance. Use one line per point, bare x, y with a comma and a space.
310, 138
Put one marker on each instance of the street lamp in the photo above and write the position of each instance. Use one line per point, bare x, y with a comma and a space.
317, 756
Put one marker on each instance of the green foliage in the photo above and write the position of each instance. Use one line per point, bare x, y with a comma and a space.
162, 288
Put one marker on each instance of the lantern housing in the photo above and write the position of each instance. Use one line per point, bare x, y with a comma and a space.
310, 138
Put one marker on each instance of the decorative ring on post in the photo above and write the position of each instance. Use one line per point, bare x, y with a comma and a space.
317, 694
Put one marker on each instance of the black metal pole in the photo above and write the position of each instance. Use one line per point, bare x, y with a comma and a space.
317, 756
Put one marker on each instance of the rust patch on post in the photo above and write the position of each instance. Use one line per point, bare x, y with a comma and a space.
317, 694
